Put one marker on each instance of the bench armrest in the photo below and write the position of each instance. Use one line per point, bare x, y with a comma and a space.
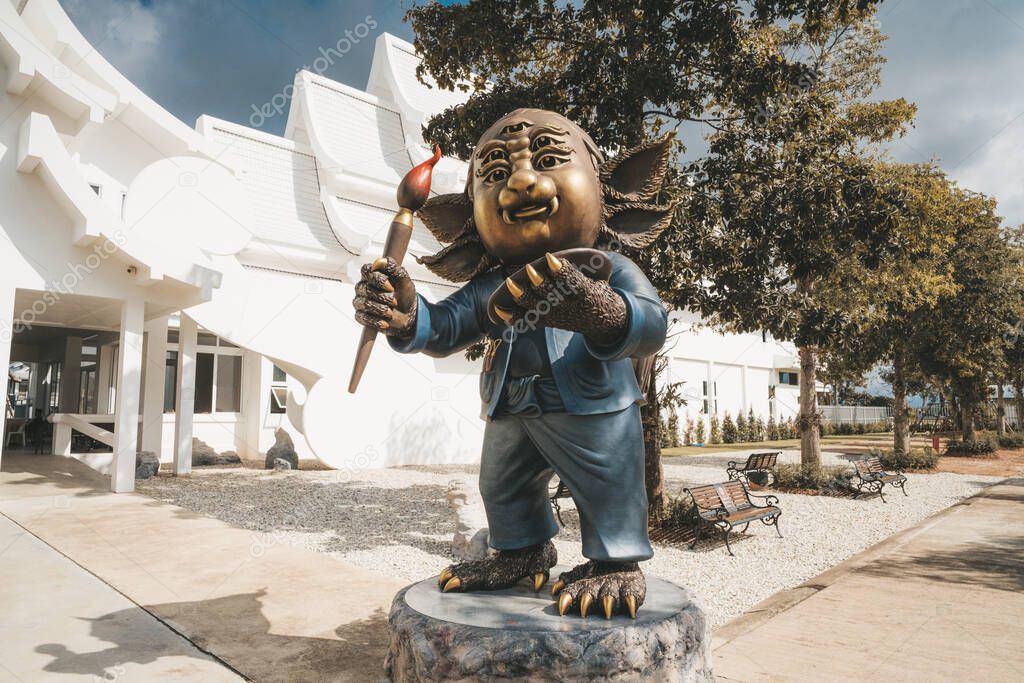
768, 499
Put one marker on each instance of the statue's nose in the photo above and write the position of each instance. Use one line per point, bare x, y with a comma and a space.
522, 180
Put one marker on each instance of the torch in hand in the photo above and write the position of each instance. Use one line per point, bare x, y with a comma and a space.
413, 192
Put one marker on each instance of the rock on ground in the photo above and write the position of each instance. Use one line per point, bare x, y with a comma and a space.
204, 455
284, 449
147, 464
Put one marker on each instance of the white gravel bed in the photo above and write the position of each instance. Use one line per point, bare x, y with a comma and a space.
396, 522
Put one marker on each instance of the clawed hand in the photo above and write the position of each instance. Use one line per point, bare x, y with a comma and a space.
566, 298
386, 298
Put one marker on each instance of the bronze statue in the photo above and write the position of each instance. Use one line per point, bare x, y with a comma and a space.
563, 315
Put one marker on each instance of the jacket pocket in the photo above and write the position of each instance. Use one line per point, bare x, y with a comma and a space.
487, 382
591, 381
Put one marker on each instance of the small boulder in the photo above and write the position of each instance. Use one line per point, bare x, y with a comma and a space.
147, 464
203, 455
281, 465
283, 448
471, 535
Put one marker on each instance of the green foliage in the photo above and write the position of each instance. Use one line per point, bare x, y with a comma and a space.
789, 429
688, 432
1009, 440
742, 432
827, 479
976, 447
698, 430
761, 429
773, 429
672, 427
753, 433
915, 459
729, 432
716, 430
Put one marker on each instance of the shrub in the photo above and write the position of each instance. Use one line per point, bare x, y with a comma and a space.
742, 433
698, 431
773, 429
761, 430
673, 429
716, 430
1007, 440
789, 429
916, 459
729, 433
688, 433
977, 447
827, 479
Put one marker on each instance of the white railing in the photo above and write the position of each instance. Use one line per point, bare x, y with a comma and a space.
64, 423
855, 414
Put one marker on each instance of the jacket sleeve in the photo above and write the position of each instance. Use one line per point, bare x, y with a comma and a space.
450, 325
646, 317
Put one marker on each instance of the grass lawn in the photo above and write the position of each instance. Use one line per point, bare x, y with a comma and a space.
766, 445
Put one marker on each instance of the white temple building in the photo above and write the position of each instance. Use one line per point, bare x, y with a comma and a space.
161, 283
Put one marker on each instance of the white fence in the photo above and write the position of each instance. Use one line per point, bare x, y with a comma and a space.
855, 414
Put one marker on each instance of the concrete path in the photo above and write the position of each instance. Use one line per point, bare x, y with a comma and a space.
59, 622
271, 612
943, 601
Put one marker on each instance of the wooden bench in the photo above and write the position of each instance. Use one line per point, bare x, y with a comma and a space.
558, 491
728, 505
756, 462
871, 478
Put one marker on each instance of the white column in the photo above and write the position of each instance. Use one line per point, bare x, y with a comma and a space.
153, 385
6, 336
184, 405
743, 392
71, 375
129, 386
105, 358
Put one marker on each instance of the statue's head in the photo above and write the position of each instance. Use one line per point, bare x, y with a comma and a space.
538, 183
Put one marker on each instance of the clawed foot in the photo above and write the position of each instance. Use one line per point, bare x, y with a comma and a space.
617, 586
501, 571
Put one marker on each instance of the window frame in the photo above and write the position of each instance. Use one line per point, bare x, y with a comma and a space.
216, 351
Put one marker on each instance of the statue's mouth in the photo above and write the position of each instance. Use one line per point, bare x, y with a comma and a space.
529, 212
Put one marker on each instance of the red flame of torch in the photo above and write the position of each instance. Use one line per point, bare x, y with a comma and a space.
414, 190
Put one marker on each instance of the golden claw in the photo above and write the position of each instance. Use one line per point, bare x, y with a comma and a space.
557, 586
564, 603
631, 606
535, 278
507, 316
387, 286
379, 263
585, 601
608, 603
554, 265
443, 578
539, 579
453, 584
515, 290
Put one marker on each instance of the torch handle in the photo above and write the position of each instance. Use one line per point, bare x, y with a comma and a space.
395, 246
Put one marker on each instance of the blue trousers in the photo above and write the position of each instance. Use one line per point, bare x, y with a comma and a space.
601, 460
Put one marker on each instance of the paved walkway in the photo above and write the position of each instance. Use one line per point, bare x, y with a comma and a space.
943, 601
271, 612
61, 623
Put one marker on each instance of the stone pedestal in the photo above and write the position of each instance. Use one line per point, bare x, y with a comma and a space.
517, 634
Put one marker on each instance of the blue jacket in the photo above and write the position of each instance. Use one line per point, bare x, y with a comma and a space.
590, 380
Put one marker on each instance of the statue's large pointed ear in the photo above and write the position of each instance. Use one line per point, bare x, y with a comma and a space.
636, 224
636, 175
445, 215
461, 260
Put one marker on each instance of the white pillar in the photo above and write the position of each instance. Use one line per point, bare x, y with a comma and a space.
184, 404
129, 386
153, 375
71, 375
105, 358
6, 337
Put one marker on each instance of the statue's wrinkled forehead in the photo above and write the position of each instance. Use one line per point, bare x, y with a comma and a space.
534, 122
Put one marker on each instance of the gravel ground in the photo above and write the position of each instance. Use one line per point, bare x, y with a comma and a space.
396, 522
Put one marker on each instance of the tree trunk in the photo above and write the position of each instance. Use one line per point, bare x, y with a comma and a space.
967, 419
1000, 409
810, 434
1018, 397
645, 369
900, 415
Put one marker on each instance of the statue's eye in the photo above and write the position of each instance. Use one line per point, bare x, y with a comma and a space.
542, 141
495, 155
551, 160
497, 175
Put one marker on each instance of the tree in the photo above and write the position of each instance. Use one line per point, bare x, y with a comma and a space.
625, 70
688, 434
760, 429
742, 430
715, 430
729, 432
790, 208
753, 433
698, 431
773, 429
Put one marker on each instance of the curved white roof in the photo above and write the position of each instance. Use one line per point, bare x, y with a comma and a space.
393, 76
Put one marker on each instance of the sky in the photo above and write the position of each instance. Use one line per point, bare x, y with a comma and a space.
960, 61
